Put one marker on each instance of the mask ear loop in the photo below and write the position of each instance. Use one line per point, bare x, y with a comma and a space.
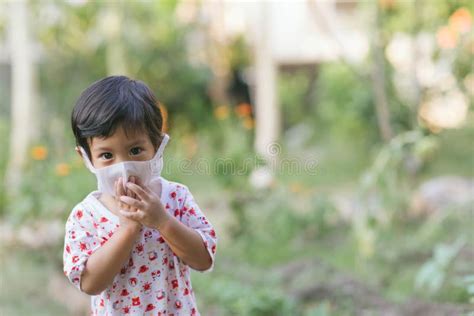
160, 150
159, 153
86, 160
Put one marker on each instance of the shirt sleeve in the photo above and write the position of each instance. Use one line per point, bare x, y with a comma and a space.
80, 242
192, 216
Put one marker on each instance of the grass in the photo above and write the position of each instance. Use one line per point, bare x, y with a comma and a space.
24, 284
278, 234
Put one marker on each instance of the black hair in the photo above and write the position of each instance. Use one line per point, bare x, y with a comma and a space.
112, 102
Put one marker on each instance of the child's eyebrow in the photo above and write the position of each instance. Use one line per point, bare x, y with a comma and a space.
101, 148
136, 142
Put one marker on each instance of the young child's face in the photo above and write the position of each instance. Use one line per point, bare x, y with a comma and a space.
120, 147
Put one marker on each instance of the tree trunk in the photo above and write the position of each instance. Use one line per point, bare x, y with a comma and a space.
23, 125
417, 7
309, 99
378, 80
267, 114
217, 55
113, 30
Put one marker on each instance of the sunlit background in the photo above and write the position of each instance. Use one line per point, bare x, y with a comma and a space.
329, 142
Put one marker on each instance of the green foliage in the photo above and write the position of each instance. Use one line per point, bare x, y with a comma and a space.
274, 234
292, 90
231, 148
385, 187
3, 163
47, 192
433, 273
408, 16
154, 46
455, 152
272, 226
345, 106
320, 310
238, 298
468, 283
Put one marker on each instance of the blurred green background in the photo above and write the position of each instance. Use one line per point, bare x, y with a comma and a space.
382, 222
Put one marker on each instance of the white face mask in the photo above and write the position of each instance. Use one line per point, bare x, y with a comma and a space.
143, 170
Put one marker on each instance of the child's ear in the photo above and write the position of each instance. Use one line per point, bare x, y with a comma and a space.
86, 160
78, 151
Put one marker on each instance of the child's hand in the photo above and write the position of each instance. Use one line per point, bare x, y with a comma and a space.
149, 210
119, 191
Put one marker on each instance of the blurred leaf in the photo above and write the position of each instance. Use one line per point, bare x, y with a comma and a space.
432, 274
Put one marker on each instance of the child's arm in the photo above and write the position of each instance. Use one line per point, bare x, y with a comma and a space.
104, 264
186, 242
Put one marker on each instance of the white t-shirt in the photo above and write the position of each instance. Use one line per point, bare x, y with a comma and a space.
154, 281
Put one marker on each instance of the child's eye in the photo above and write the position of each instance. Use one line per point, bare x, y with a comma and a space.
106, 156
135, 151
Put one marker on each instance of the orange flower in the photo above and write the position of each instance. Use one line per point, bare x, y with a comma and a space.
243, 110
461, 20
447, 38
296, 187
387, 4
39, 153
221, 112
248, 123
62, 169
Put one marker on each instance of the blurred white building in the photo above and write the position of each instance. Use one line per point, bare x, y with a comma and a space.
282, 34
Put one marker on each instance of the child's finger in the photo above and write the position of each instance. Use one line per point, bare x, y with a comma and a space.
132, 202
133, 195
117, 192
120, 186
120, 192
140, 183
127, 190
133, 180
142, 194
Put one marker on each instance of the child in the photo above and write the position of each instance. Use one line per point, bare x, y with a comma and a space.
130, 244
